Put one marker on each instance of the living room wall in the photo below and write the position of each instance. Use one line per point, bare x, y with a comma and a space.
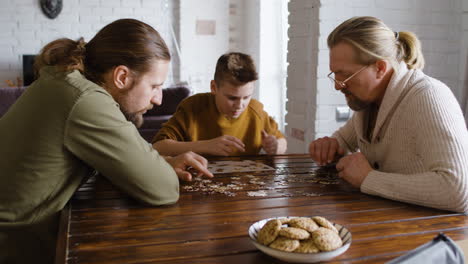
25, 29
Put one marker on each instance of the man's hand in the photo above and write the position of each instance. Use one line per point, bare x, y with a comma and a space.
354, 168
324, 150
269, 143
223, 145
183, 162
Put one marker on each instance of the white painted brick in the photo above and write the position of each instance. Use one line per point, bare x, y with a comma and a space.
334, 13
27, 48
323, 70
90, 3
147, 12
6, 50
328, 95
446, 46
118, 3
441, 5
394, 4
441, 32
296, 120
70, 17
303, 58
24, 18
22, 2
6, 14
327, 126
360, 3
295, 146
304, 46
153, 3
295, 5
297, 107
25, 35
364, 11
305, 15
70, 5
301, 30
324, 57
326, 3
60, 28
109, 19
98, 11
454, 59
89, 19
323, 42
465, 21
297, 95
465, 5
326, 28
439, 18
122, 11
326, 112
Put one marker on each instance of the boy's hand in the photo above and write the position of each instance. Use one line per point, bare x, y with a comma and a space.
183, 162
223, 145
269, 143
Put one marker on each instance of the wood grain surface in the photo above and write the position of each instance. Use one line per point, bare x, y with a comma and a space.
103, 225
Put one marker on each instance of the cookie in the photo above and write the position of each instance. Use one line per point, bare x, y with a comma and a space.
307, 246
326, 240
321, 221
285, 244
304, 223
269, 232
294, 233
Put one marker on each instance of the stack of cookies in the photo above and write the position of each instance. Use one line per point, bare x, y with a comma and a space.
301, 235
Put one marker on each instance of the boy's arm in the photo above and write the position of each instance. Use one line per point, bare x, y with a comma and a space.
220, 146
170, 147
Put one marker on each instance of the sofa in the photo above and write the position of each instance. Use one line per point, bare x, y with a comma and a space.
153, 119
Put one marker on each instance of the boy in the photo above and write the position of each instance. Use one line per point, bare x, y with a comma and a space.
226, 121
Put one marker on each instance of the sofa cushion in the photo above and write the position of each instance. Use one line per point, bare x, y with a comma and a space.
172, 96
154, 122
8, 96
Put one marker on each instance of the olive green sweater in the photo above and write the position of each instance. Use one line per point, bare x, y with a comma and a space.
60, 130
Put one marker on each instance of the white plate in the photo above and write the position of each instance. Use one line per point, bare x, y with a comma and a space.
299, 257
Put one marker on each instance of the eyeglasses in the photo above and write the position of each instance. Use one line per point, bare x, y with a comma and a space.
342, 84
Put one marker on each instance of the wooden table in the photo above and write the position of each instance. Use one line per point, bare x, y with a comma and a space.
103, 225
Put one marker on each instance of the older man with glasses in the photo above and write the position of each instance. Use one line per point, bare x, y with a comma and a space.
407, 140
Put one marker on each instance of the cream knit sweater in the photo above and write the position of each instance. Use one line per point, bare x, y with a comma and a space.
419, 148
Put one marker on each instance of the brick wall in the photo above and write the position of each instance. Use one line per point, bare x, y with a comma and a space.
312, 100
25, 29
303, 59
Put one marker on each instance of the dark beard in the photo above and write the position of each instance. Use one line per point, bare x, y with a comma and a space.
135, 118
354, 103
357, 105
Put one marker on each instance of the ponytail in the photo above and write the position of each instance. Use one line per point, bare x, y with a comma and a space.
410, 50
66, 54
